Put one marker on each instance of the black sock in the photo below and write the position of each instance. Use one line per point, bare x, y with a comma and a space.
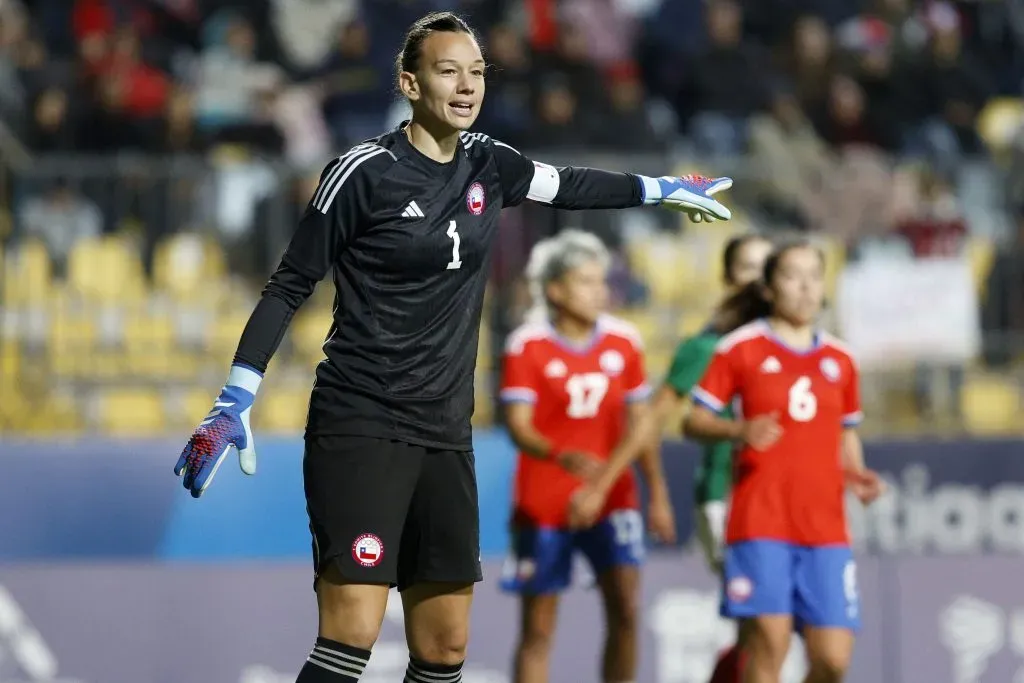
423, 672
333, 662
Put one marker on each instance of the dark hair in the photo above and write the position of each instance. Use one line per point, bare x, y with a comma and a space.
408, 58
751, 302
732, 252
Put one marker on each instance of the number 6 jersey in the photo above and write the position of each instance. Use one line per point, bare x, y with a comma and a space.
793, 491
579, 395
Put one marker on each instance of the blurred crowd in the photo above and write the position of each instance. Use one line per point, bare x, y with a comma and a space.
892, 127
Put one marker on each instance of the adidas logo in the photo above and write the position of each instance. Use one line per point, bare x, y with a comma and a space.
412, 211
771, 365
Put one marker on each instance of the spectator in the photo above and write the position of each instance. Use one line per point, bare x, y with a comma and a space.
791, 161
726, 84
628, 113
955, 87
810, 61
507, 111
937, 228
1002, 312
354, 89
561, 124
232, 83
52, 129
307, 30
846, 120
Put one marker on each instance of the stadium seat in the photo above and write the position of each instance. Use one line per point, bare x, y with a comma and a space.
223, 334
990, 404
191, 408
282, 410
149, 346
186, 264
309, 331
131, 412
646, 323
999, 122
981, 253
26, 274
71, 345
106, 270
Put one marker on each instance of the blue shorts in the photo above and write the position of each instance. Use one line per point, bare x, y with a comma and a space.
541, 560
816, 585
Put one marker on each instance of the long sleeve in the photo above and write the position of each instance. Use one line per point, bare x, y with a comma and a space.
568, 187
333, 218
286, 291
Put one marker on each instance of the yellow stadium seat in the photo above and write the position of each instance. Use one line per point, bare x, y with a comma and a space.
981, 253
71, 345
187, 264
999, 121
282, 410
131, 412
106, 270
194, 406
309, 331
990, 404
645, 322
692, 321
224, 332
26, 274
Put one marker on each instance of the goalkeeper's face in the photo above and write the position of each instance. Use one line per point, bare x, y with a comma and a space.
798, 286
448, 87
582, 293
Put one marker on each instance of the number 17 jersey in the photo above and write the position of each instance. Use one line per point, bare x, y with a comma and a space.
793, 491
580, 396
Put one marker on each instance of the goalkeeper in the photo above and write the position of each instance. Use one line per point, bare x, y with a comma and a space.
742, 262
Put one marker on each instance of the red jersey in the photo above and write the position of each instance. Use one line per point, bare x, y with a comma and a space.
579, 396
794, 490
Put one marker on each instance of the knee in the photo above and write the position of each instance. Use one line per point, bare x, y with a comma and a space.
445, 645
349, 615
828, 666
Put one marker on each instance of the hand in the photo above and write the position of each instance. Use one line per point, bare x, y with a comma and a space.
585, 507
225, 427
690, 194
761, 432
661, 519
866, 484
580, 465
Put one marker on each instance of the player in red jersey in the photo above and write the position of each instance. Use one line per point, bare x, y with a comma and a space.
573, 382
788, 561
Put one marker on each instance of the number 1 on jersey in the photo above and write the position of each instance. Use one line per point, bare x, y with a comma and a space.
456, 262
586, 392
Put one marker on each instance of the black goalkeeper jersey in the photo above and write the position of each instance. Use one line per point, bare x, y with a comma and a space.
408, 240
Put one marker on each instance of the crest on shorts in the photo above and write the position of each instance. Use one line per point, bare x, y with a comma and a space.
612, 362
475, 199
739, 589
367, 550
830, 368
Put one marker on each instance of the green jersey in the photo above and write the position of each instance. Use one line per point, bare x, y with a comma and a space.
691, 360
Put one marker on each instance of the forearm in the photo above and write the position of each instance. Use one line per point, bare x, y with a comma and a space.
286, 291
852, 451
703, 425
592, 188
652, 472
531, 442
638, 438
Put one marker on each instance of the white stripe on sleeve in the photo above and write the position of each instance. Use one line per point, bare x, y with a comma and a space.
348, 163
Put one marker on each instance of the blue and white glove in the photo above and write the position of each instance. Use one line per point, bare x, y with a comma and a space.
226, 427
690, 194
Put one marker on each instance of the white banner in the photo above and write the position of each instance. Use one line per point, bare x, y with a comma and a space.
891, 313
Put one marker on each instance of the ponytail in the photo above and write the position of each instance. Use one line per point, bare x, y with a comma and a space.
745, 306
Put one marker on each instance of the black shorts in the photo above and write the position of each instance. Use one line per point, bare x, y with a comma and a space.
391, 512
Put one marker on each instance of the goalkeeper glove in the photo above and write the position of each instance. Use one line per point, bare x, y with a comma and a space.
226, 426
690, 194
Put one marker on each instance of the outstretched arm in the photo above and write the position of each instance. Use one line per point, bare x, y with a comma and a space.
575, 187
